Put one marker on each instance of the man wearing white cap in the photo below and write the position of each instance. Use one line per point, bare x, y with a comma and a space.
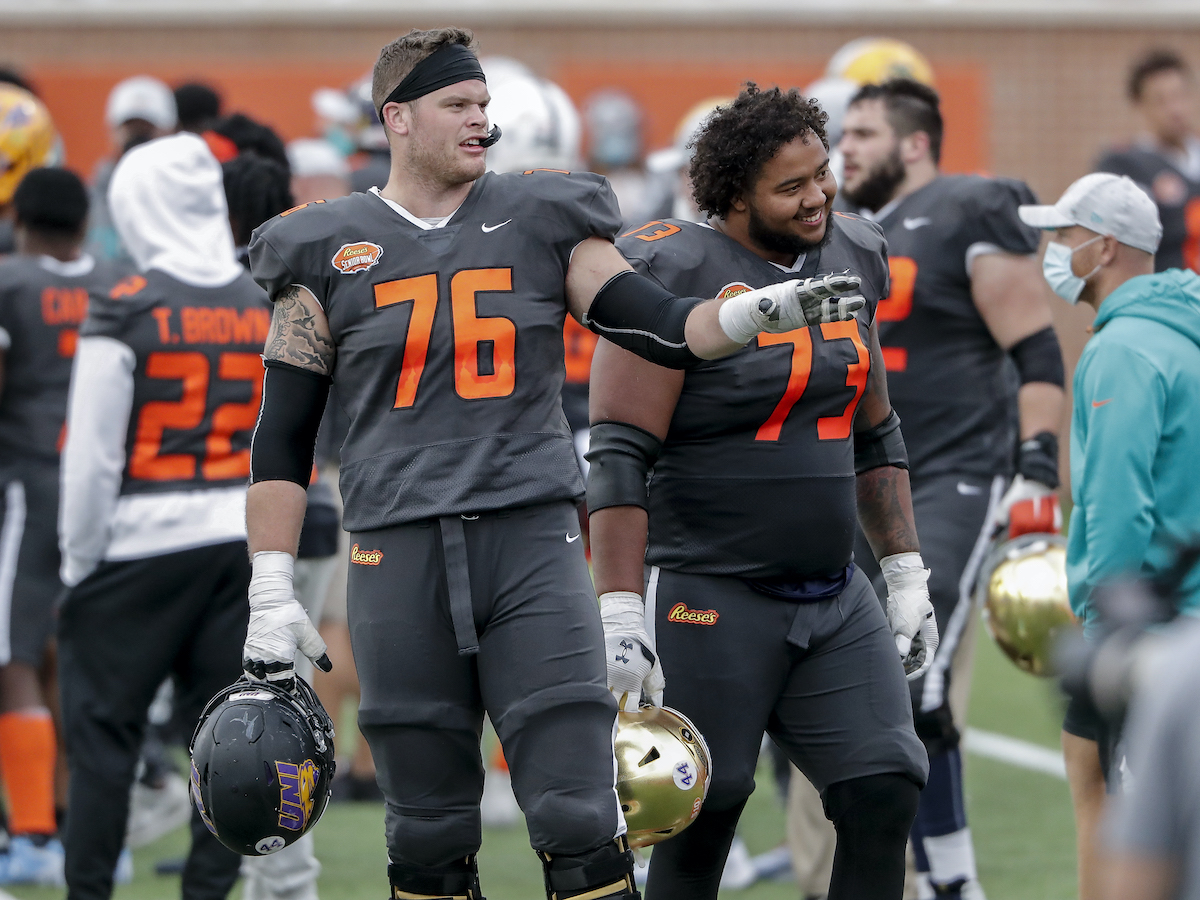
1135, 428
138, 110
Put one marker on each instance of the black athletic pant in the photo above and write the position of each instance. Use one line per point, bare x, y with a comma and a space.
122, 630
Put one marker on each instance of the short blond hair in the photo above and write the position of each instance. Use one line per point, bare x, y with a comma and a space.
401, 56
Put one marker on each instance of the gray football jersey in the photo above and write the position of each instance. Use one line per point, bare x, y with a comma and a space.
1178, 199
756, 475
41, 311
197, 380
449, 340
949, 381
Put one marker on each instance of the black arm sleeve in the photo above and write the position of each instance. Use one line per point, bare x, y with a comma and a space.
1039, 358
285, 437
620, 455
640, 316
882, 445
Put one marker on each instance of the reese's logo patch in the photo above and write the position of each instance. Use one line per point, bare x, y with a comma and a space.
297, 785
732, 290
365, 557
357, 257
680, 613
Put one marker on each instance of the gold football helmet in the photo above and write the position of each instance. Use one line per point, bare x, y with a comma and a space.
663, 771
875, 60
1023, 589
27, 138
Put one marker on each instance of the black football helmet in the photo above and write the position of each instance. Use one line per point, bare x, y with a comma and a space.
262, 765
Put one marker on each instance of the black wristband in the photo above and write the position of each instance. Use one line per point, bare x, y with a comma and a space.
1037, 459
882, 445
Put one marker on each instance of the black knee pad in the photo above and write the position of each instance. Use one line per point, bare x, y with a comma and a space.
874, 807
457, 881
605, 873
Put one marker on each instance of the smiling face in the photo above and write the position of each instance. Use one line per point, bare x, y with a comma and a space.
788, 208
443, 131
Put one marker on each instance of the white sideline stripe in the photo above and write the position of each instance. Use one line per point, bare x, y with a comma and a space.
1016, 752
5, 895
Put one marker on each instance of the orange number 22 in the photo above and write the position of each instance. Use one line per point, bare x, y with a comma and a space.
897, 305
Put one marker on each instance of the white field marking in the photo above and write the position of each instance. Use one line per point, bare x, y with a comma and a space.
5, 895
1015, 752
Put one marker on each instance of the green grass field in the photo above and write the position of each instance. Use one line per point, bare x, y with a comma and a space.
1024, 835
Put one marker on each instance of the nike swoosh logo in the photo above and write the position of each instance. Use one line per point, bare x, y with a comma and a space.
571, 540
488, 229
1096, 404
919, 221
969, 490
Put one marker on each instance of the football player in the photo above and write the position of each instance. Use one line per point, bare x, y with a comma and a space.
164, 393
435, 305
751, 509
43, 299
1165, 159
967, 305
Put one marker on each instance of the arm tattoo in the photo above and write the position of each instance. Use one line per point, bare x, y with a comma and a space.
885, 511
299, 336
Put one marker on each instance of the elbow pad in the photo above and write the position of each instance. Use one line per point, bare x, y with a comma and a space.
1039, 358
285, 438
620, 455
640, 316
882, 445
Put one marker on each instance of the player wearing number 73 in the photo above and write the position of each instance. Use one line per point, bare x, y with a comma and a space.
435, 306
164, 393
762, 462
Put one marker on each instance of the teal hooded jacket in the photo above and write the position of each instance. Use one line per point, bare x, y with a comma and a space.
1135, 438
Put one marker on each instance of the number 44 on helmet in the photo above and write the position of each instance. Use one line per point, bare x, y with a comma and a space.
663, 773
262, 765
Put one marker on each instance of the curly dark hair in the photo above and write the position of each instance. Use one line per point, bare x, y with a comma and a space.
737, 140
1153, 63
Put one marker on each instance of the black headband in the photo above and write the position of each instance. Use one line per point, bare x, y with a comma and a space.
447, 65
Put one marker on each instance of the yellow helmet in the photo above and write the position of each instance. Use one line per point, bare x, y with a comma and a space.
875, 60
1023, 586
27, 138
663, 771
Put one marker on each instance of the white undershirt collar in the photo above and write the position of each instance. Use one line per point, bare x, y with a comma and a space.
424, 224
72, 269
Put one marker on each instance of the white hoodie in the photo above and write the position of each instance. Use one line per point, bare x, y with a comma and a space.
168, 202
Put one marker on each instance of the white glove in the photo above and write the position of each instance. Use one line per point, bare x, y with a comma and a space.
790, 305
633, 666
75, 568
278, 624
1028, 506
909, 612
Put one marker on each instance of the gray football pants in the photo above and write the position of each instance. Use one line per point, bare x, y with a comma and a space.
492, 613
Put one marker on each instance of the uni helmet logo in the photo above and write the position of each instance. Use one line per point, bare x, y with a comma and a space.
357, 257
365, 557
732, 290
680, 613
297, 785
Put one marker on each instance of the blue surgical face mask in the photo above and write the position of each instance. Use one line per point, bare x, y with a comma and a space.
1056, 267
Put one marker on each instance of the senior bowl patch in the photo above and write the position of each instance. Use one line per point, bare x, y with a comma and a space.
357, 257
732, 290
680, 613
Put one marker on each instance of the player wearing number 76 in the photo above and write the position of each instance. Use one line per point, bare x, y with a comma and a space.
762, 462
435, 307
164, 393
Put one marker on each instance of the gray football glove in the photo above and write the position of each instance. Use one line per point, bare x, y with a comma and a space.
633, 666
790, 305
909, 612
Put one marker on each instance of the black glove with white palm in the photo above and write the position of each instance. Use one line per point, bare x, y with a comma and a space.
789, 305
909, 611
633, 666
278, 624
